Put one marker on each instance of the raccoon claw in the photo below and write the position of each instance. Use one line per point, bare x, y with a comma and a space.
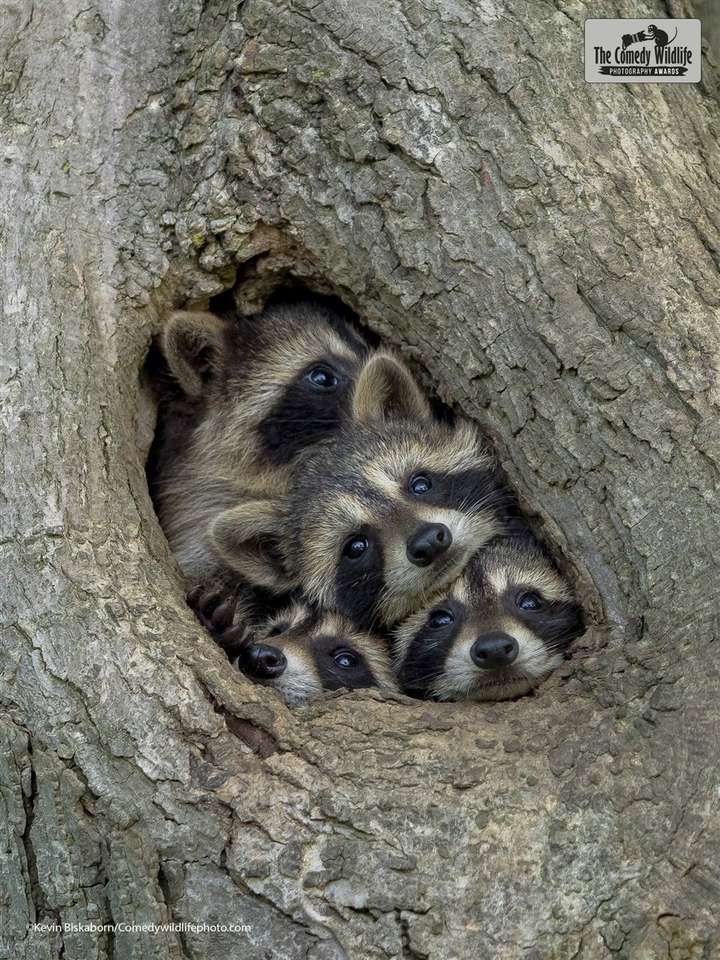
233, 640
222, 616
204, 603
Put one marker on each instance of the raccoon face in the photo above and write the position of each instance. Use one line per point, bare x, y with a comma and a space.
390, 514
394, 504
274, 383
501, 628
300, 654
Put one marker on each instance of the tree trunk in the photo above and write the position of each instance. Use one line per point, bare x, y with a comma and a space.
545, 252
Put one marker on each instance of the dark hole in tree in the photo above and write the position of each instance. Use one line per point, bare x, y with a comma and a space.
187, 414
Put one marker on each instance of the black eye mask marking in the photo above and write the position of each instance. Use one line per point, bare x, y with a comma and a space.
428, 650
339, 664
466, 490
359, 579
556, 623
310, 409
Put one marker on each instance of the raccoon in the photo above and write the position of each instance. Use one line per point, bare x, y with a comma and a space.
300, 652
499, 630
240, 397
383, 516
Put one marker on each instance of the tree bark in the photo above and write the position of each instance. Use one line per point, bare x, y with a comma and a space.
545, 252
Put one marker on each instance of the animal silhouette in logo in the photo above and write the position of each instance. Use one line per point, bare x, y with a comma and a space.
660, 37
654, 33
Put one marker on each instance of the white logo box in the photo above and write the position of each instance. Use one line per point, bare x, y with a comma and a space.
643, 51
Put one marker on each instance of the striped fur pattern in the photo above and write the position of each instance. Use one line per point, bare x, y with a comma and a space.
510, 598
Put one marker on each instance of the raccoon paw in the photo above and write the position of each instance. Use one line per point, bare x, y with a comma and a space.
224, 617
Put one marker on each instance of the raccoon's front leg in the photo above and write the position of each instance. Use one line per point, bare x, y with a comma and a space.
226, 616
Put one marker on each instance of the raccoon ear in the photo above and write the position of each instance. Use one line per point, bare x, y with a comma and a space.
193, 346
385, 389
248, 537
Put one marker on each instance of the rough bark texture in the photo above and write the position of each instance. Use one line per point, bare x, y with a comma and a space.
546, 253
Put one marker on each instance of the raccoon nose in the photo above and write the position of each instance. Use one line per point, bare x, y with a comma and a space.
428, 543
494, 650
263, 662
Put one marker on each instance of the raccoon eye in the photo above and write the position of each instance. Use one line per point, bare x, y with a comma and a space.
529, 601
440, 618
322, 378
420, 484
277, 630
355, 546
345, 659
